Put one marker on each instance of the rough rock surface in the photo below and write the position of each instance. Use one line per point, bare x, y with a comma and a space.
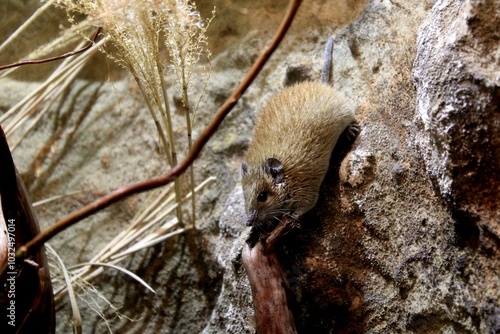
405, 236
457, 76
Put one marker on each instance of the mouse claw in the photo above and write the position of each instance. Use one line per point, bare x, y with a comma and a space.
352, 131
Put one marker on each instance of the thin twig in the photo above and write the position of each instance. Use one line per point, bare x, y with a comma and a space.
46, 60
41, 93
168, 177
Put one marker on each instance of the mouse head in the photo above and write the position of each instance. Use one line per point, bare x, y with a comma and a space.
265, 192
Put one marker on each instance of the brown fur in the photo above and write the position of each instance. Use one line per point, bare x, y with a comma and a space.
300, 127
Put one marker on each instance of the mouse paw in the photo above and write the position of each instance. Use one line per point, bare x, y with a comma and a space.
352, 131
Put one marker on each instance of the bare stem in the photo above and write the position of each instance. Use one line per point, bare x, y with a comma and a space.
189, 126
46, 60
167, 123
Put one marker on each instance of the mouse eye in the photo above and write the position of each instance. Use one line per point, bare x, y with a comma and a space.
262, 197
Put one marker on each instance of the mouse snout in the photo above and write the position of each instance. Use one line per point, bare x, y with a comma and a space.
252, 218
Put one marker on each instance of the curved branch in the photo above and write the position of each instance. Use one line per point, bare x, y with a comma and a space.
169, 176
46, 60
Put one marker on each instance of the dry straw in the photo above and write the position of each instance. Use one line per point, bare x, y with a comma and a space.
140, 30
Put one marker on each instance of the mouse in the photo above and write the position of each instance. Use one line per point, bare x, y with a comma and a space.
292, 143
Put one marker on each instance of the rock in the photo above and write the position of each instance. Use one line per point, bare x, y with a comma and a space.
457, 76
234, 309
296, 73
356, 167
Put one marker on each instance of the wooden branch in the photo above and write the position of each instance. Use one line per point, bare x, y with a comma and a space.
168, 177
46, 60
268, 282
26, 297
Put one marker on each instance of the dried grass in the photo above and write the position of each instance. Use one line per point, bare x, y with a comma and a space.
138, 29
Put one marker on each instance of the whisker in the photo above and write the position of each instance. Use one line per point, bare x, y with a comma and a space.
293, 218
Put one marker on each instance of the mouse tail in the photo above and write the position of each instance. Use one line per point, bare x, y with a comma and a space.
326, 71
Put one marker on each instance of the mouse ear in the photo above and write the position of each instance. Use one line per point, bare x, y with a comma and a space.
274, 167
244, 168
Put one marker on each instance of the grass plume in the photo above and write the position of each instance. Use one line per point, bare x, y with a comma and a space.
138, 29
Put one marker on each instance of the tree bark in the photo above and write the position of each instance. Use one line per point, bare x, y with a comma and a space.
268, 283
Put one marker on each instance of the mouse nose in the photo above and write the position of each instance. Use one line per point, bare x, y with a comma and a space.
252, 218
